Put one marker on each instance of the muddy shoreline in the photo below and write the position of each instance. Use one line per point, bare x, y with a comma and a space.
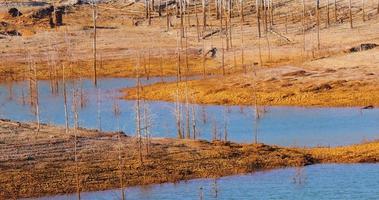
42, 163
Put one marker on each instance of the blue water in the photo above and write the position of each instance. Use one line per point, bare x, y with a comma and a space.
353, 181
289, 126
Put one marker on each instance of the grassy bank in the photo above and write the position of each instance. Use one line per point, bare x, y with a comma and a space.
42, 163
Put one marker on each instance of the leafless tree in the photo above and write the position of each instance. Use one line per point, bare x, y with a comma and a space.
65, 99
138, 111
350, 15
34, 93
363, 11
117, 114
204, 15
258, 11
76, 126
318, 23
94, 42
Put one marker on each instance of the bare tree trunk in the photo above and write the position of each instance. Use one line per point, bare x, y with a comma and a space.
181, 19
223, 56
265, 16
178, 71
241, 11
76, 126
186, 55
222, 40
138, 113
242, 48
318, 23
225, 126
177, 105
230, 24
363, 11
335, 11
258, 11
65, 100
204, 15
188, 131
33, 90
94, 18
204, 72
286, 22
272, 12
303, 23
217, 10
350, 15
327, 14
197, 24
167, 18
146, 128
36, 98
256, 116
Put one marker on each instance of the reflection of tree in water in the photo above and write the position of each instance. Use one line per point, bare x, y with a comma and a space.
215, 188
201, 193
300, 177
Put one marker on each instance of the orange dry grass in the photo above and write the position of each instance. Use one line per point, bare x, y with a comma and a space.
365, 152
36, 164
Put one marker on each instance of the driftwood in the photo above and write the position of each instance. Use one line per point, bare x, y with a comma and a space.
280, 35
210, 34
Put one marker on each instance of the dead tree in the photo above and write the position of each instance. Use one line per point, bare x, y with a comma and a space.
258, 11
242, 47
177, 104
256, 109
203, 51
188, 129
138, 112
146, 126
363, 11
65, 99
327, 14
167, 17
318, 23
94, 19
303, 27
204, 15
76, 127
350, 15
33, 85
197, 24
335, 11
241, 11
117, 114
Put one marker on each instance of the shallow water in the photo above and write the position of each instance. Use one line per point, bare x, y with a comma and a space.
353, 181
279, 125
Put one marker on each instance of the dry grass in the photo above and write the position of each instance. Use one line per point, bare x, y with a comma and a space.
36, 164
346, 80
119, 42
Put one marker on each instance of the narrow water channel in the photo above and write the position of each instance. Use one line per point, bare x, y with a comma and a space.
326, 181
289, 126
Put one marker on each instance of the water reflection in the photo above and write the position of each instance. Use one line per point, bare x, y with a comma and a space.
279, 125
326, 181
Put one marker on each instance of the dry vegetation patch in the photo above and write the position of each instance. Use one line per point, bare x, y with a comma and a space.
42, 163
